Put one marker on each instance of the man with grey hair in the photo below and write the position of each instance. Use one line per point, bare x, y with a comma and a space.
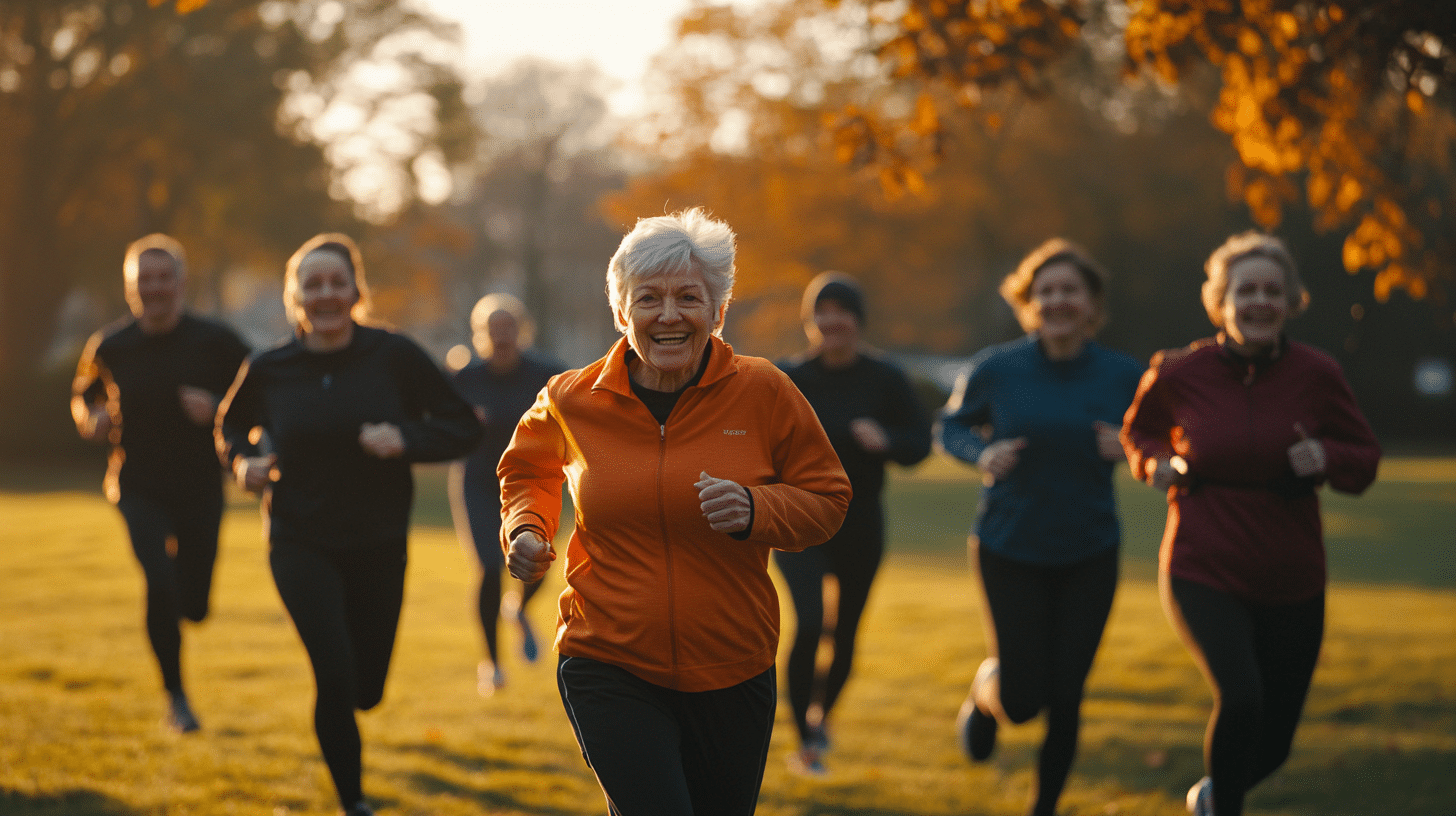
150, 384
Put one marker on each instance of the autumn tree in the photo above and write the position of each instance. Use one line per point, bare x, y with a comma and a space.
745, 97
120, 117
1343, 105
545, 157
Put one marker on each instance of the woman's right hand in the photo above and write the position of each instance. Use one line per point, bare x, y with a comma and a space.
1000, 458
253, 473
1170, 472
529, 556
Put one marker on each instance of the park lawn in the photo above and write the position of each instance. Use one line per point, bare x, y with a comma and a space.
80, 703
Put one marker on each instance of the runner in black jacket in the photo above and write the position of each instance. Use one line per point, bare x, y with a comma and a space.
344, 409
872, 417
150, 385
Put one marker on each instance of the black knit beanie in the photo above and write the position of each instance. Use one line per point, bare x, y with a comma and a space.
841, 289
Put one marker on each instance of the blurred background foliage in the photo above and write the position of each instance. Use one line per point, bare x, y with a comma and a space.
921, 145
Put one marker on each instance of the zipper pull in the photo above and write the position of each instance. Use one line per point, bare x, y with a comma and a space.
662, 433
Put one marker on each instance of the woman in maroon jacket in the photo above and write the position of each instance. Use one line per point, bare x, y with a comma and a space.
1240, 430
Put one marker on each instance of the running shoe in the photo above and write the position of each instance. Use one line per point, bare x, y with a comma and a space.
976, 731
179, 714
818, 738
1200, 798
530, 649
360, 808
488, 679
975, 728
807, 762
512, 606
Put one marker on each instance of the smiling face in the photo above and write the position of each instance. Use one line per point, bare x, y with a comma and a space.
326, 294
669, 318
1062, 302
1256, 303
835, 329
155, 293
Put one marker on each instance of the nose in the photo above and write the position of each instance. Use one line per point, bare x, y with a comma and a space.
669, 311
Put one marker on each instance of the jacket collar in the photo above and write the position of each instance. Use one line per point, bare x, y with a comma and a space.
1250, 367
615, 376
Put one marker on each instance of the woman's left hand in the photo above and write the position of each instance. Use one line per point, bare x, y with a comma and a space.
198, 404
870, 435
1109, 447
381, 439
1307, 456
725, 503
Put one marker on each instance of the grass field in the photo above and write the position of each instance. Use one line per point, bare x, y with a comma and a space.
80, 704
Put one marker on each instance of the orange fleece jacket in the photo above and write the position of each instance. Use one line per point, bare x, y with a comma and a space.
651, 588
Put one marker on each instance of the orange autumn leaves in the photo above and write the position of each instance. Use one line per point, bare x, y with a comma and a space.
1324, 101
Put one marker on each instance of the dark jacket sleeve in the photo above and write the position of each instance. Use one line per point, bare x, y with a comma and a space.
908, 423
240, 411
958, 432
1147, 428
1352, 455
440, 424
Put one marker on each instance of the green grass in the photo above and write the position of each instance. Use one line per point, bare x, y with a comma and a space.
80, 704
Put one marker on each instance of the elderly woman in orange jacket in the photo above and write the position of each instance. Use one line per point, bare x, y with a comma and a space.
687, 464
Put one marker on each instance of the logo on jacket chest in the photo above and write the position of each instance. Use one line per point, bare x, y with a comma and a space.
733, 432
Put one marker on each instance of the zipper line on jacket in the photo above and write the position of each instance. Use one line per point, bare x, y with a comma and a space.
666, 548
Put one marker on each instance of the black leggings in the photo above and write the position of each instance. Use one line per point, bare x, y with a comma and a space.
178, 578
478, 527
853, 557
1259, 661
345, 605
1047, 622
660, 752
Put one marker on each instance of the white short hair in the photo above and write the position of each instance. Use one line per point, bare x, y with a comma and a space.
690, 239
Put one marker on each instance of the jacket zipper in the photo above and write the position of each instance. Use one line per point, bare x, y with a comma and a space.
666, 548
1249, 425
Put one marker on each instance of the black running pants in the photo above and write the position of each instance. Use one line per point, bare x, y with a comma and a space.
178, 577
660, 752
1047, 622
853, 557
345, 605
1259, 661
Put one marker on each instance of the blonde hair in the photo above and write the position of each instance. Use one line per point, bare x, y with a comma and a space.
1250, 244
342, 246
686, 240
1016, 287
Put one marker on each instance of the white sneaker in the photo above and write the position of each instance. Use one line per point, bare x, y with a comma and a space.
488, 679
1200, 798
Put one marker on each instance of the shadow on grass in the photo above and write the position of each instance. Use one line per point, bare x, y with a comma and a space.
1329, 780
476, 763
799, 807
69, 803
489, 799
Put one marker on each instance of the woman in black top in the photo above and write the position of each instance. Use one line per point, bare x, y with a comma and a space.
150, 385
872, 416
343, 410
